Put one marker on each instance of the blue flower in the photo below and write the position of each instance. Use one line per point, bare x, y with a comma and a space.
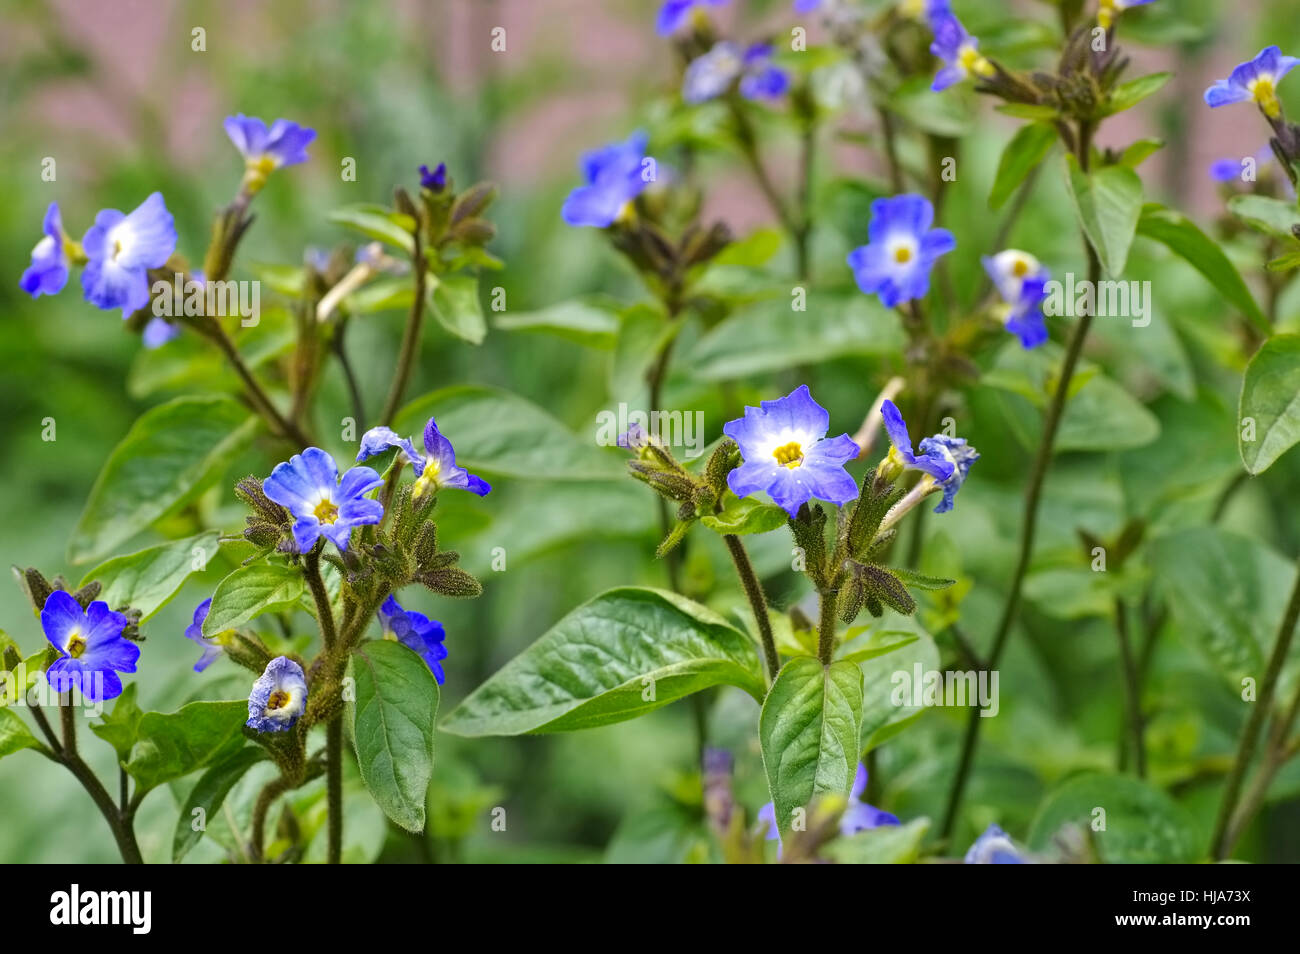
48, 272
711, 74
1256, 80
434, 469
787, 456
958, 50
674, 13
900, 451
416, 632
121, 249
92, 649
1108, 10
158, 332
308, 486
436, 180
994, 847
954, 451
278, 698
806, 6
901, 250
615, 177
1021, 280
211, 646
265, 150
1230, 170
858, 816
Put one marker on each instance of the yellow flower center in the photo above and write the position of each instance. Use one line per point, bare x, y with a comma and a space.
277, 700
902, 255
1106, 13
1265, 94
789, 455
76, 645
972, 62
325, 511
1020, 269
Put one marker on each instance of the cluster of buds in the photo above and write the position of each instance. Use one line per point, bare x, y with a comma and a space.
695, 497
650, 250
37, 589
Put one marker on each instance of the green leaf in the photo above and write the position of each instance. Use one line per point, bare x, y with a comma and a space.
121, 727
392, 723
1104, 416
878, 642
173, 744
1127, 95
165, 460
1138, 152
1184, 239
743, 515
887, 845
754, 250
629, 651
808, 731
250, 591
1227, 593
14, 734
771, 336
1028, 111
1027, 148
454, 304
1143, 824
581, 322
148, 579
885, 711
920, 581
208, 794
944, 114
1274, 216
504, 434
377, 222
1270, 396
1107, 202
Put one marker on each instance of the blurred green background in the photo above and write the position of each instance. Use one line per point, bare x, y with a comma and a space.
125, 106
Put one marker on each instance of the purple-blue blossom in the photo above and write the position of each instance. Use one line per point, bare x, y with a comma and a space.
121, 248
48, 272
265, 150
901, 250
436, 180
958, 50
434, 469
1021, 280
675, 13
858, 816
615, 175
278, 698
1256, 80
194, 632
92, 649
416, 632
955, 451
901, 457
994, 847
308, 486
787, 455
712, 74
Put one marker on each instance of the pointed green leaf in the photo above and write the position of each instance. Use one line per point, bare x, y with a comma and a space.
1107, 202
173, 744
1269, 410
629, 651
148, 579
208, 794
14, 734
120, 727
1027, 148
808, 731
745, 515
250, 591
454, 304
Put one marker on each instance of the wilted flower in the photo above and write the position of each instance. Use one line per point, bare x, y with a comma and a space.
278, 698
48, 272
1021, 280
994, 847
858, 816
211, 646
958, 50
615, 176
92, 649
308, 486
121, 249
955, 451
787, 454
265, 150
712, 74
901, 457
434, 469
1255, 80
674, 13
901, 250
416, 632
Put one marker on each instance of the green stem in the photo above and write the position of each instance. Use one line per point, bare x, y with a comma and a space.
410, 338
826, 628
334, 786
120, 819
757, 601
258, 397
1221, 843
265, 799
1032, 496
324, 612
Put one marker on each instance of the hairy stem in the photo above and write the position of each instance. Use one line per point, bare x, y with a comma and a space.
410, 338
1221, 844
257, 396
334, 786
120, 819
265, 799
826, 627
757, 601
